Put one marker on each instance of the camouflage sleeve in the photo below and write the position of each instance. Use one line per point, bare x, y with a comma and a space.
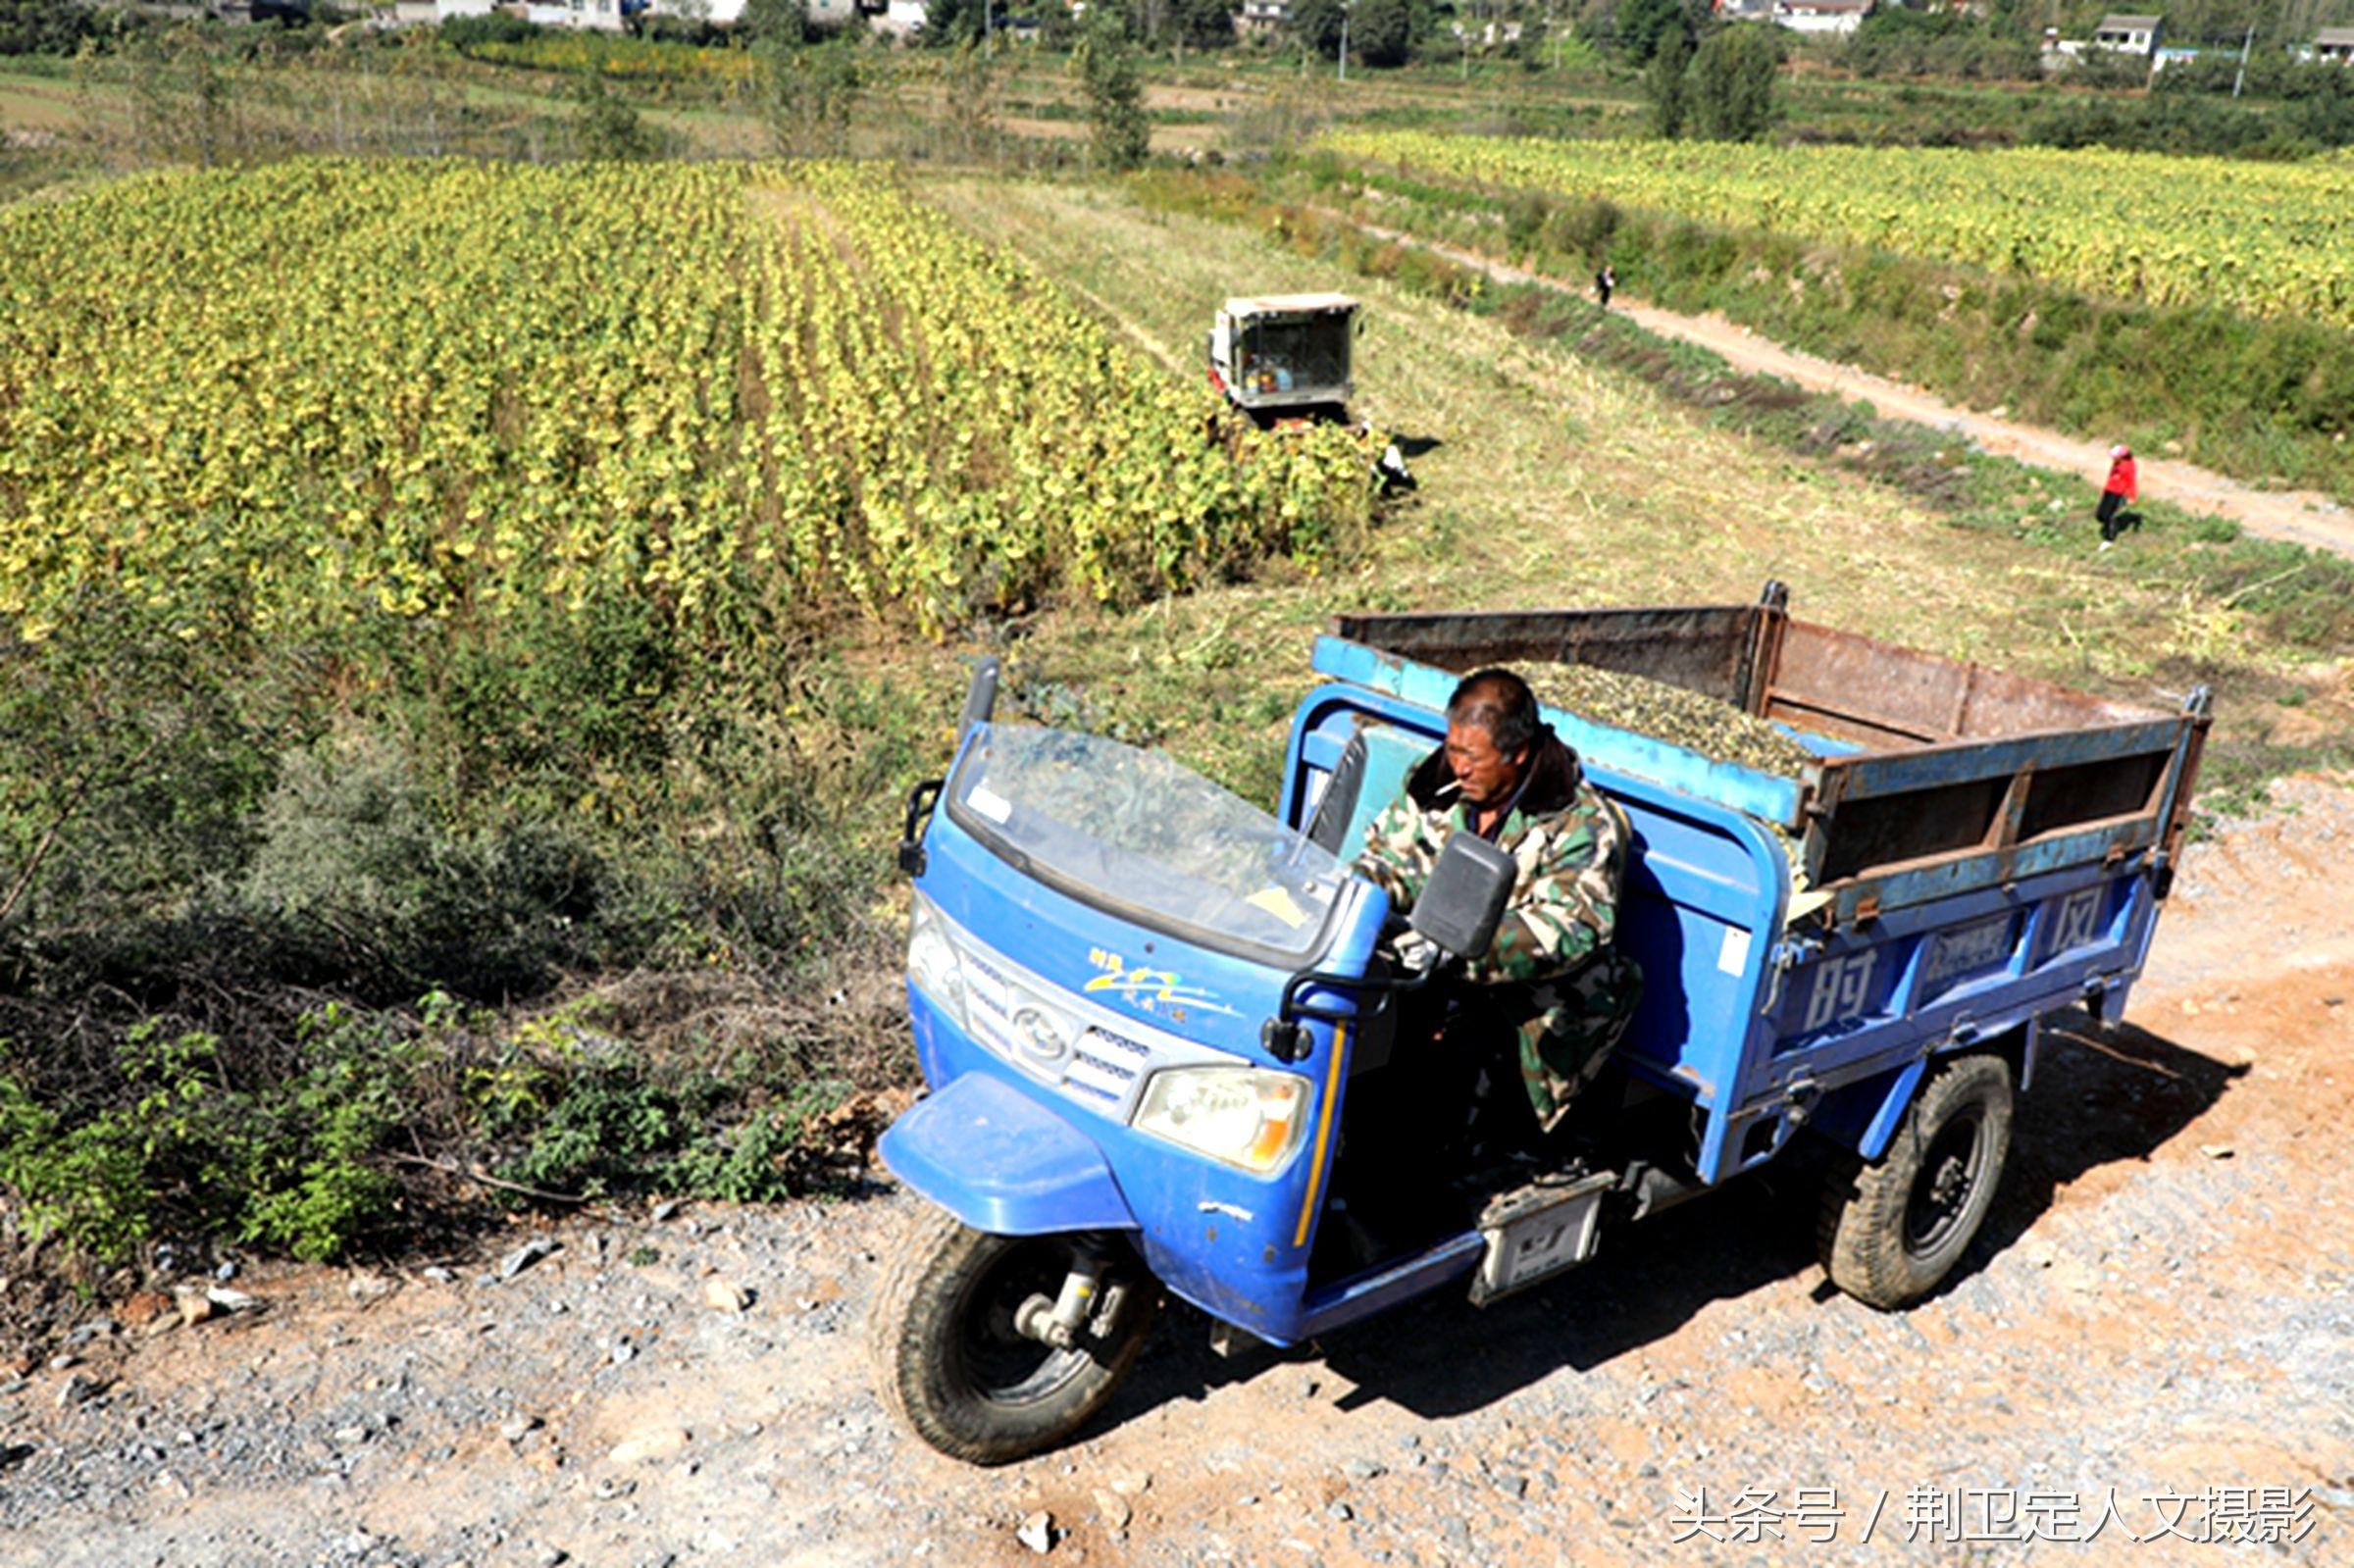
1566, 904
1388, 861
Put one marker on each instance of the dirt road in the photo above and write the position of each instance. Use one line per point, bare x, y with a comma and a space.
2161, 1307
2296, 517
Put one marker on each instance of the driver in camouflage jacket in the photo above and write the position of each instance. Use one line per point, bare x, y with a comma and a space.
1552, 969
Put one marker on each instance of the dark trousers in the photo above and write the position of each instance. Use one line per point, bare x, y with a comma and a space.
2110, 513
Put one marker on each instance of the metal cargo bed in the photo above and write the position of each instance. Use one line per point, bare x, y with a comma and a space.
1929, 775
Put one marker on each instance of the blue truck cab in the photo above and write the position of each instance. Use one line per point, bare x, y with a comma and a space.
1146, 1010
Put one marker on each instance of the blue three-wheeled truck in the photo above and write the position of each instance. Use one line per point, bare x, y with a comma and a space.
1162, 1032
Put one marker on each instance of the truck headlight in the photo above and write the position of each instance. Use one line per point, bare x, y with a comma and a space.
932, 966
1244, 1116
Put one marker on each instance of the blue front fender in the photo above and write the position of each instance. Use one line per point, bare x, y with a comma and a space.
1004, 1163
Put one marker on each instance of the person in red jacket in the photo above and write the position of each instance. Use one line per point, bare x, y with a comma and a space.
2124, 486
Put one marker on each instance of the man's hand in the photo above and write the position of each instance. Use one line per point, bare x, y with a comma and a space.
1417, 952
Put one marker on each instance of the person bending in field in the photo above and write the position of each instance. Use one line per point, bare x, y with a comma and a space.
2124, 486
1551, 994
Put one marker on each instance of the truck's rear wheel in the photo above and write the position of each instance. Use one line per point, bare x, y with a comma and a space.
951, 1360
1892, 1229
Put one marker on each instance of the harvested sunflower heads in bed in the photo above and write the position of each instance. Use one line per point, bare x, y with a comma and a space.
1709, 726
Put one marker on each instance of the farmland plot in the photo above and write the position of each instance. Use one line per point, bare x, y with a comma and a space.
324, 395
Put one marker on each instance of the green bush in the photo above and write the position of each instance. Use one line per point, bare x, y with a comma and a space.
1727, 90
193, 853
1664, 85
134, 759
1106, 65
1381, 33
353, 851
609, 129
44, 26
286, 1163
1895, 41
467, 32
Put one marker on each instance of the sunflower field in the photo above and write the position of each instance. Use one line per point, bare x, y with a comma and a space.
322, 396
434, 591
2266, 240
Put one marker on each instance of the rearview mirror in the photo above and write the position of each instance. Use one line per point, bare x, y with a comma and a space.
981, 699
1464, 898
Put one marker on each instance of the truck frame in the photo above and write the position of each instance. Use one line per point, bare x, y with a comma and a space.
1135, 1091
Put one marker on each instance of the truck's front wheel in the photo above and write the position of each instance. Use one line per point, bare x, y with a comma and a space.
1893, 1228
955, 1335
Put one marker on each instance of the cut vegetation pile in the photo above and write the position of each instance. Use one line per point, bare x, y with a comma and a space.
1707, 725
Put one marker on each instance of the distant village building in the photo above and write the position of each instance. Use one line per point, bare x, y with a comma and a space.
728, 12
598, 16
2129, 36
604, 15
1743, 10
1822, 16
1258, 18
1487, 36
2334, 45
901, 18
724, 13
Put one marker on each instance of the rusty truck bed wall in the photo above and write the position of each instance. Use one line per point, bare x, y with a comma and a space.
1938, 775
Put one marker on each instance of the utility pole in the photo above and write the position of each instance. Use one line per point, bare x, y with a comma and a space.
1342, 74
2241, 79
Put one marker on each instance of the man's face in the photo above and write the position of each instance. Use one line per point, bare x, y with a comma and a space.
1488, 777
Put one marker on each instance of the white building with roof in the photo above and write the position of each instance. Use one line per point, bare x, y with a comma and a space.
1822, 16
2125, 34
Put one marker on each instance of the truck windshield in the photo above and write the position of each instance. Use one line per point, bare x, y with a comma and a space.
1135, 833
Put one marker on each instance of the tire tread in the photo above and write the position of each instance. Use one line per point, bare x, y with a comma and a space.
1859, 1230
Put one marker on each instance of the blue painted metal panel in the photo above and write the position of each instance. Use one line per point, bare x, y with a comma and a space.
1002, 1162
1961, 761
1233, 1244
1071, 944
1861, 1004
1948, 878
1347, 1300
1865, 1114
1902, 1086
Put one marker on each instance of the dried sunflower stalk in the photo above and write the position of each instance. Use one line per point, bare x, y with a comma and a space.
1709, 726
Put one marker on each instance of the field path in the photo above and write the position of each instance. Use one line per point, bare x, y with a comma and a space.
2296, 517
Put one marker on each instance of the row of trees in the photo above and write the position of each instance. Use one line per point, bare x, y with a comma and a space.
808, 87
1380, 33
68, 26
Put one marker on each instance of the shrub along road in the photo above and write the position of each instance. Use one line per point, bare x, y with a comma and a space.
2160, 1306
